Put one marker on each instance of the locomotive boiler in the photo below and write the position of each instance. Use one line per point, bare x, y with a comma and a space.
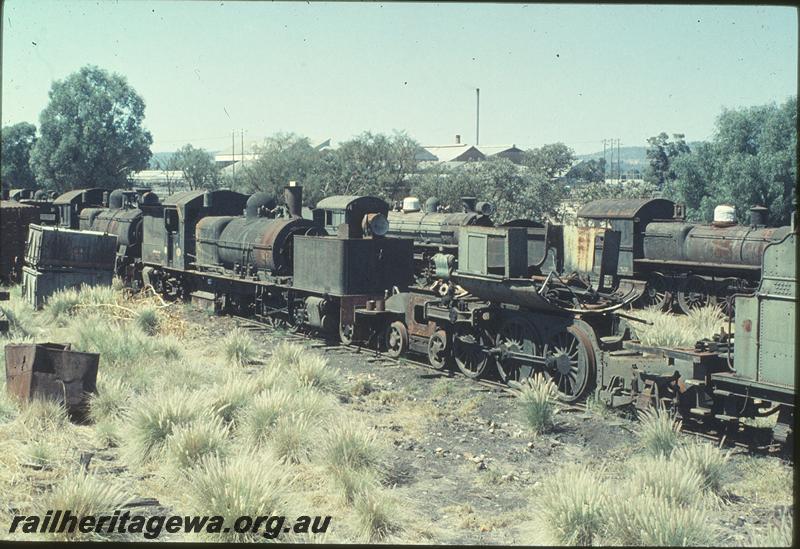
684, 264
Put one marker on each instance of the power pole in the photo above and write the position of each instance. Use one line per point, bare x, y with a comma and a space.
478, 116
242, 147
233, 152
619, 162
604, 160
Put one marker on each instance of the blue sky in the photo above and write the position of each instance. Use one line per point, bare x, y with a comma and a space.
547, 73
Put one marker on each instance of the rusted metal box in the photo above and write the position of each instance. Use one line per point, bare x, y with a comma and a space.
38, 286
14, 221
52, 370
53, 247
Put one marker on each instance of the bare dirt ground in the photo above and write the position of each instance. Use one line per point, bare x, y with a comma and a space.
466, 468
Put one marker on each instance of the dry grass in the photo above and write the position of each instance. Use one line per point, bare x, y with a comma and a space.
239, 348
538, 403
670, 330
659, 432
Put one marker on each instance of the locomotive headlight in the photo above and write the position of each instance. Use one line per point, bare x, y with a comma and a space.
375, 224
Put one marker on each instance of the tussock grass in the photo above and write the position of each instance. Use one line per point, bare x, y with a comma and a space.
777, 534
62, 303
22, 320
674, 481
260, 418
351, 445
375, 516
107, 434
154, 418
111, 400
538, 402
147, 320
442, 388
189, 443
292, 439
85, 494
708, 461
570, 507
39, 453
245, 484
230, 398
42, 415
239, 348
352, 483
650, 521
670, 330
659, 432
362, 387
313, 372
287, 355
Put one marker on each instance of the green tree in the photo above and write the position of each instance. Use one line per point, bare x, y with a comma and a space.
750, 160
660, 155
587, 171
374, 164
597, 190
17, 142
553, 160
282, 157
91, 133
516, 191
198, 167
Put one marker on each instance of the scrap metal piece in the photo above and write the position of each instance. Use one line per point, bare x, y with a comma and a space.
54, 371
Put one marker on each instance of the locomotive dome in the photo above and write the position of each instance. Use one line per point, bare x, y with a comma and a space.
257, 202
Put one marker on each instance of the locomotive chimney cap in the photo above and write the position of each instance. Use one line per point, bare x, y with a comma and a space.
724, 215
411, 204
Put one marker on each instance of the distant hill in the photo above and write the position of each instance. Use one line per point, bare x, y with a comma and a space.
631, 157
159, 160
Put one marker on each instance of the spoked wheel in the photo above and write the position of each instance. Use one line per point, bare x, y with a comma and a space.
396, 339
517, 336
278, 322
571, 363
437, 350
656, 294
695, 295
346, 334
470, 354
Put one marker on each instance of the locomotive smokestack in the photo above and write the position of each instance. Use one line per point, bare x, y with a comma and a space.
293, 196
758, 216
458, 139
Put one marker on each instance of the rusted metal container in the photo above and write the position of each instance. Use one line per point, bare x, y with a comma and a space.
38, 286
14, 221
54, 371
51, 247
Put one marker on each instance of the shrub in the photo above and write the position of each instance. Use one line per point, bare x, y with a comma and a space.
147, 320
538, 401
707, 460
155, 418
239, 348
189, 443
571, 505
111, 400
85, 494
659, 432
375, 516
243, 485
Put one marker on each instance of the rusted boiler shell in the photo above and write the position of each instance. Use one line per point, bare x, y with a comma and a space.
707, 244
265, 243
125, 224
433, 228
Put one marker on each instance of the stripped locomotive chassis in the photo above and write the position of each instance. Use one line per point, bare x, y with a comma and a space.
582, 351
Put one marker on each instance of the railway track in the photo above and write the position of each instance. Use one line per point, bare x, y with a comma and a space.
742, 441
